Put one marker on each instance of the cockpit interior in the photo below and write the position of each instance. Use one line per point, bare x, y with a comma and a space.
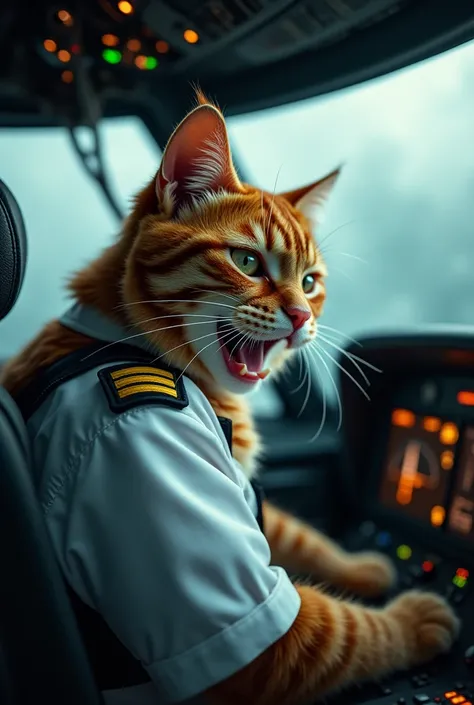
381, 457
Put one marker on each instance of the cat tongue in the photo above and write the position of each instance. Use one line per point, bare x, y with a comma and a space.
252, 355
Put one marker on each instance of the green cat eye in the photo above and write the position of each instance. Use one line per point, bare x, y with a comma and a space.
247, 262
309, 281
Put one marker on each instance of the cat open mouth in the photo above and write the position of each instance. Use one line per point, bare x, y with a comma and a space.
243, 356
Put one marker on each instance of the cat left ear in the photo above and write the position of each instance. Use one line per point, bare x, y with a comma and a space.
311, 199
197, 159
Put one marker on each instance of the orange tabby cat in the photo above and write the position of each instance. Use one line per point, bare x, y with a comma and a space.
181, 256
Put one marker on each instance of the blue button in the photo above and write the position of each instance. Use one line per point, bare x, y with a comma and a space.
383, 539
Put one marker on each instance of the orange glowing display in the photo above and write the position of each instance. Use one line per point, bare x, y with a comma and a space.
65, 17
437, 515
447, 459
125, 7
431, 423
140, 61
134, 44
465, 398
50, 45
190, 36
64, 56
449, 434
408, 473
110, 40
403, 417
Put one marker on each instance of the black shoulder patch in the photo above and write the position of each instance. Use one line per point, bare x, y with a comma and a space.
127, 386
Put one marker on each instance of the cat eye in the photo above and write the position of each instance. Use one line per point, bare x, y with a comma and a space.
247, 262
308, 283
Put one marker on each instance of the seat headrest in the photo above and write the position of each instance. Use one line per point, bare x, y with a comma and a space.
13, 250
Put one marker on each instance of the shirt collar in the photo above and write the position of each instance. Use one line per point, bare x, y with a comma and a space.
91, 322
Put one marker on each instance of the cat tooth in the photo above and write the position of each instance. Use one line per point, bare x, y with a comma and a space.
264, 373
243, 369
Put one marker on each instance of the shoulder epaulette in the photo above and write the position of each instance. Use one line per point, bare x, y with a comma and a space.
127, 386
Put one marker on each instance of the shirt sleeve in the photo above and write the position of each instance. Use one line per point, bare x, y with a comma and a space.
156, 534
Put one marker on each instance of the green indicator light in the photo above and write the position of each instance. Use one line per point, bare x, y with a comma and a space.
112, 56
151, 62
459, 581
404, 552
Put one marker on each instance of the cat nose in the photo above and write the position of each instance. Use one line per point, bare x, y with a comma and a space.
298, 316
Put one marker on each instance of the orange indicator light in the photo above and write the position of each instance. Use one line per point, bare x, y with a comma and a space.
447, 459
64, 56
110, 40
134, 44
431, 423
50, 45
190, 36
67, 76
448, 434
403, 417
125, 7
458, 700
162, 47
465, 398
65, 17
437, 516
450, 694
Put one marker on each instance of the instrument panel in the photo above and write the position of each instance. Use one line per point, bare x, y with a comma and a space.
428, 472
408, 459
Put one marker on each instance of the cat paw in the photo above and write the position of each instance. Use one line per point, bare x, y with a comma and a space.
428, 621
368, 574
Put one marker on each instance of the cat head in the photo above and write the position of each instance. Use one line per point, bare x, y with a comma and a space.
226, 279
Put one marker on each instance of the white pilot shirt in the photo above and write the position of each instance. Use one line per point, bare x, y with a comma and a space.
153, 524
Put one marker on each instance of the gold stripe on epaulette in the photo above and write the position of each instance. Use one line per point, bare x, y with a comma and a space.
136, 379
141, 388
141, 370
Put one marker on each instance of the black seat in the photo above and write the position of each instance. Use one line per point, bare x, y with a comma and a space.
42, 658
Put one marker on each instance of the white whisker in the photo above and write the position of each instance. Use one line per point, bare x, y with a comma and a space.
348, 374
351, 356
176, 301
324, 412
204, 348
306, 398
186, 342
348, 356
343, 335
338, 398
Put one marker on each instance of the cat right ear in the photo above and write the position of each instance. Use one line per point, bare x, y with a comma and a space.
197, 159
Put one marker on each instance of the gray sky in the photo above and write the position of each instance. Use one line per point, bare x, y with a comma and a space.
404, 204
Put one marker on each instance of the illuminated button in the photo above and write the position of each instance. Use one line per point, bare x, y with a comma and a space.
448, 434
450, 694
458, 700
447, 459
459, 581
404, 552
383, 539
403, 418
437, 515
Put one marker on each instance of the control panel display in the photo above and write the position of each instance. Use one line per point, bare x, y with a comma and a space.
420, 458
461, 511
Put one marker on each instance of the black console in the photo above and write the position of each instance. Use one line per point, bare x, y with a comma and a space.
409, 471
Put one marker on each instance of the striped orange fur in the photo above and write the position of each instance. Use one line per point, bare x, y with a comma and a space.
183, 273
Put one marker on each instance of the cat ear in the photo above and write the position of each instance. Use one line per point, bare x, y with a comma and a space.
311, 199
197, 159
